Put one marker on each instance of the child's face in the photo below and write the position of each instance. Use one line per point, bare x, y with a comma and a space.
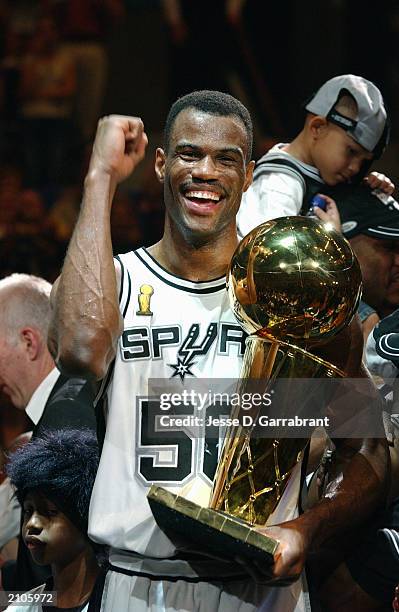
50, 536
337, 156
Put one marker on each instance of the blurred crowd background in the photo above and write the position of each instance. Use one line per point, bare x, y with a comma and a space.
64, 63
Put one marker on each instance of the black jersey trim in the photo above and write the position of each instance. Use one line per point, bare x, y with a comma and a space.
101, 425
167, 577
175, 285
98, 403
302, 485
148, 254
104, 383
122, 277
97, 593
280, 157
129, 293
122, 287
280, 162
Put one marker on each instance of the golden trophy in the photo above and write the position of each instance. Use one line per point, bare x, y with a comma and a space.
293, 284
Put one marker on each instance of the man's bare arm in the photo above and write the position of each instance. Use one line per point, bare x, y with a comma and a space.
357, 489
354, 493
86, 322
351, 498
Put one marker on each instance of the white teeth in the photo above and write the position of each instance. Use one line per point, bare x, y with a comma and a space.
205, 195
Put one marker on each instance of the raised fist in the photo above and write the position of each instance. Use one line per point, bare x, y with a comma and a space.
119, 146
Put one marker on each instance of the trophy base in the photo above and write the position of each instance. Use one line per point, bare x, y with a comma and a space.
220, 533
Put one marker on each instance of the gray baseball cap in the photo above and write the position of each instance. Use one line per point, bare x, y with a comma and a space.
370, 128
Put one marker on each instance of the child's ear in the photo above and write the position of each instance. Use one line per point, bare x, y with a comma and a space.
318, 126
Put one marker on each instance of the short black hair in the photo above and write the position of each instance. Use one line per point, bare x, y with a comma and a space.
213, 103
62, 465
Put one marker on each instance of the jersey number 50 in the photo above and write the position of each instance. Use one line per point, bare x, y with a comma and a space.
173, 454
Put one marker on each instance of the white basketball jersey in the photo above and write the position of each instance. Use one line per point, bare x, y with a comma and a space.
173, 329
182, 330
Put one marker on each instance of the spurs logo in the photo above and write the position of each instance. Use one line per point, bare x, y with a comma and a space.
189, 350
160, 341
144, 297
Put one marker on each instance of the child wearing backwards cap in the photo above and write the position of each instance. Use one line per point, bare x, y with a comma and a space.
345, 130
53, 476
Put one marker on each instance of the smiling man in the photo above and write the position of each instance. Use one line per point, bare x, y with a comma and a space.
163, 313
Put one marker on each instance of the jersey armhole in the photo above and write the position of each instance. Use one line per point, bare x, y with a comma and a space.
125, 285
100, 404
100, 400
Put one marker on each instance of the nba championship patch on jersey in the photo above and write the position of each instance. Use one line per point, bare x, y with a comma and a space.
144, 299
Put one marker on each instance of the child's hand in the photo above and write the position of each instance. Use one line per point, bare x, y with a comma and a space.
376, 180
331, 214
